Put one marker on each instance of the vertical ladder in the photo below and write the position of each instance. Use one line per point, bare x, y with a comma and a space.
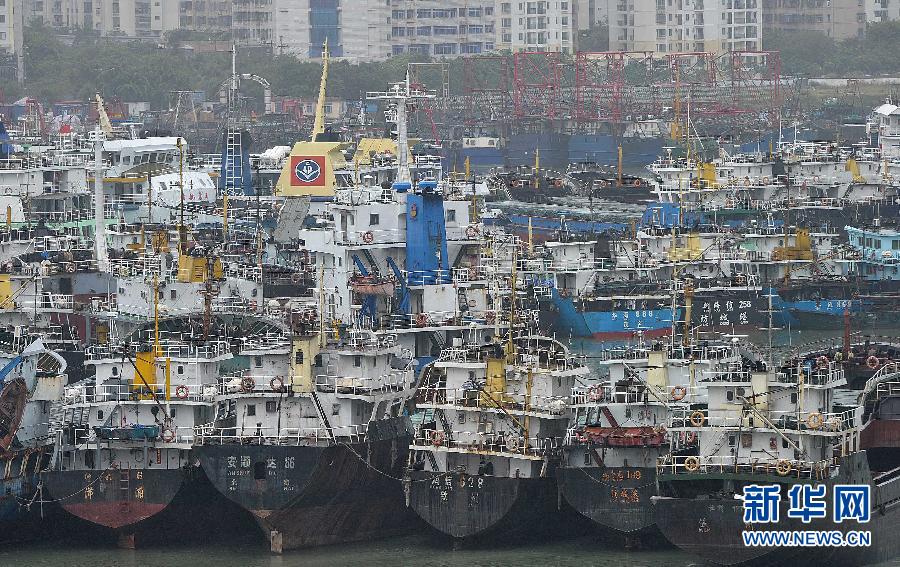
234, 161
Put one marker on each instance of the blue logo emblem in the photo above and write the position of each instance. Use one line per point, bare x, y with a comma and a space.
307, 171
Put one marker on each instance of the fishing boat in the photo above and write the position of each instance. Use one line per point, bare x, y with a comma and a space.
770, 425
484, 457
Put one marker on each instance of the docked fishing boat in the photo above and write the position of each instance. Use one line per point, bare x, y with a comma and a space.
32, 379
123, 455
767, 425
484, 457
620, 427
312, 438
880, 402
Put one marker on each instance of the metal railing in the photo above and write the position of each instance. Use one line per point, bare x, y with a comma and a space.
301, 436
805, 421
475, 398
500, 443
788, 468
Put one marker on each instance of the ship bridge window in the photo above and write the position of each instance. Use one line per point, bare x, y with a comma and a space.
461, 417
173, 294
732, 440
357, 361
298, 357
126, 160
115, 370
99, 414
451, 215
335, 409
895, 244
878, 244
180, 369
251, 409
373, 219
271, 407
587, 458
253, 292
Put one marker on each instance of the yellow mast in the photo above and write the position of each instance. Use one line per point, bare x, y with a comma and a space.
319, 124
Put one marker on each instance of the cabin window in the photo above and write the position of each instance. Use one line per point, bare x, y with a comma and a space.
895, 244
318, 360
126, 160
451, 215
878, 244
257, 361
794, 398
373, 219
251, 409
100, 414
115, 370
180, 369
335, 409
587, 458
271, 407
357, 361
731, 440
253, 292
172, 294
784, 444
259, 470
298, 357
729, 395
461, 417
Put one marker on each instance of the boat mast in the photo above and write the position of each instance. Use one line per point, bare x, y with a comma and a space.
99, 202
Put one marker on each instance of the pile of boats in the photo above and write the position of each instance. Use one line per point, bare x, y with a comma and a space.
369, 349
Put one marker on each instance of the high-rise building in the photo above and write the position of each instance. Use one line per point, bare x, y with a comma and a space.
359, 31
671, 26
882, 10
839, 19
537, 26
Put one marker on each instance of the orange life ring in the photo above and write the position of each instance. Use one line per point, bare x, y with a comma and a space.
437, 438
872, 362
636, 183
276, 384
698, 418
822, 361
247, 384
516, 183
368, 237
678, 393
421, 320
182, 392
168, 435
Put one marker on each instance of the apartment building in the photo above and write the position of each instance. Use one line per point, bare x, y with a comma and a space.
882, 10
840, 19
110, 18
358, 31
671, 26
11, 24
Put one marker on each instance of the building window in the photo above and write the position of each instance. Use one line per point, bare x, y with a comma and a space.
180, 369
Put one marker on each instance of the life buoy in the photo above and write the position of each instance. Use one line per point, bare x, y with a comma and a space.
872, 362
276, 384
838, 356
595, 393
740, 279
437, 438
490, 317
822, 361
296, 277
815, 178
773, 443
678, 393
603, 183
558, 183
815, 420
248, 384
368, 237
512, 443
692, 464
783, 467
636, 183
471, 231
765, 180
421, 320
70, 268
516, 183
182, 392
168, 435
698, 418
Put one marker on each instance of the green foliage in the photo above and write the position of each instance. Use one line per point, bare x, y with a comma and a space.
594, 39
811, 54
139, 71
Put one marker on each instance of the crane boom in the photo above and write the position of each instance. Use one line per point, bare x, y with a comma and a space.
319, 124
